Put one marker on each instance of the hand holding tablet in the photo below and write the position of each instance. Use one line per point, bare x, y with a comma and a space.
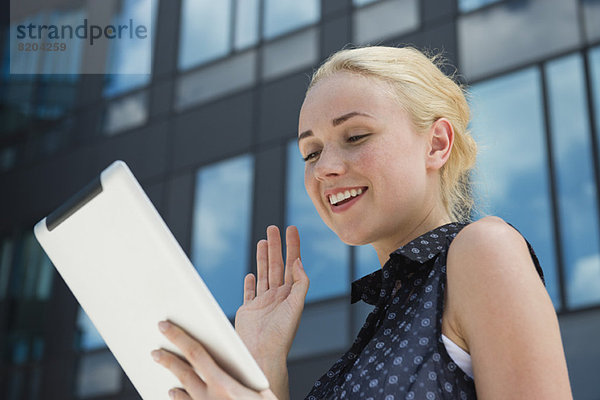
128, 272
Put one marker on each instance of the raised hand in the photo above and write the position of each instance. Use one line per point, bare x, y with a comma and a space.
200, 376
268, 319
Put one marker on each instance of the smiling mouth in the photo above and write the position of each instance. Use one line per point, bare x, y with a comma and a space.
341, 198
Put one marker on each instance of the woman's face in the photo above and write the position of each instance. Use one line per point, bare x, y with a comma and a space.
358, 141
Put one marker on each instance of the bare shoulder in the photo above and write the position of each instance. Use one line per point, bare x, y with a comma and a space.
490, 246
498, 305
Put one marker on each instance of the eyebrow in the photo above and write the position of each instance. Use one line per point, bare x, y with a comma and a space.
335, 122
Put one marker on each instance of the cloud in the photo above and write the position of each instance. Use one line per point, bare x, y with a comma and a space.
584, 285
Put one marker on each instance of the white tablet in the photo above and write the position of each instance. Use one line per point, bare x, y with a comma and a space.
128, 272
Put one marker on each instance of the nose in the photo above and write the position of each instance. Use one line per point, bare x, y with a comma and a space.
331, 162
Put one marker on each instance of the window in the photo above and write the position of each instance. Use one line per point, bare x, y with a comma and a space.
221, 228
512, 178
324, 256
205, 27
212, 29
246, 28
97, 374
282, 16
366, 261
129, 62
594, 62
219, 79
360, 3
514, 33
470, 5
384, 20
290, 53
126, 113
577, 200
591, 16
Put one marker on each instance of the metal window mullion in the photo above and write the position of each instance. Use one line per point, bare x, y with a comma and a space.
553, 191
593, 127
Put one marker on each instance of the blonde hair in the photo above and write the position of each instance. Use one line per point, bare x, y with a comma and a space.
427, 94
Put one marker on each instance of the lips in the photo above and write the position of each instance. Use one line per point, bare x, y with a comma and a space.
341, 199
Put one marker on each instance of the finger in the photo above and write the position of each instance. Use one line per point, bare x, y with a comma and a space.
262, 267
182, 371
292, 250
275, 257
301, 282
249, 288
179, 394
194, 352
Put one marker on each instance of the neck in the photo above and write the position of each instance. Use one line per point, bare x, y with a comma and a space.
410, 231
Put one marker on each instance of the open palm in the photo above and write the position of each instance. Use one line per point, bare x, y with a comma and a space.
268, 320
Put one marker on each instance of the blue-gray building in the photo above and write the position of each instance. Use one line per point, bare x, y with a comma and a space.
211, 135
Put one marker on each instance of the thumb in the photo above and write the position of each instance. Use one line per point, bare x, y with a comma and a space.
301, 281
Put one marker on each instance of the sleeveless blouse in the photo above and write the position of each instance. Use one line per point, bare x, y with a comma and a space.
399, 352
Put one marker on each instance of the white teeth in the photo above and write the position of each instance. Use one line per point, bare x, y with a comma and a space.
336, 198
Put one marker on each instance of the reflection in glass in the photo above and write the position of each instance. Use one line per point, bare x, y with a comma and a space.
22, 62
205, 31
591, 16
97, 374
384, 20
367, 261
325, 258
576, 188
470, 5
360, 3
594, 62
219, 79
512, 177
515, 32
246, 26
126, 113
129, 62
88, 337
290, 53
282, 16
324, 329
64, 62
221, 228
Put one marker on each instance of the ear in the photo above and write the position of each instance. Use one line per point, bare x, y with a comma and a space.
441, 138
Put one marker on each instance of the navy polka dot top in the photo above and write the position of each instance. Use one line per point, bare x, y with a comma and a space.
399, 352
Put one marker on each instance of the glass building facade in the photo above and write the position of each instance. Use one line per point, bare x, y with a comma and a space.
211, 135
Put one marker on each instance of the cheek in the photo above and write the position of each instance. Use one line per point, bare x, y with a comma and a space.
310, 183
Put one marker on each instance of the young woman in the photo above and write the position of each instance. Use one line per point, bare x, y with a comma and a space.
461, 311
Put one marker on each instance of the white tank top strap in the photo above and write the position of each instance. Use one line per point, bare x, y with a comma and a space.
459, 356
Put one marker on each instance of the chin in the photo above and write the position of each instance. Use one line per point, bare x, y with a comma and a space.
352, 239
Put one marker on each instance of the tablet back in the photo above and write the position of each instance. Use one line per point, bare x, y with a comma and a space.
128, 272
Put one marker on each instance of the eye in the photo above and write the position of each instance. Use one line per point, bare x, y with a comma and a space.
357, 138
311, 156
